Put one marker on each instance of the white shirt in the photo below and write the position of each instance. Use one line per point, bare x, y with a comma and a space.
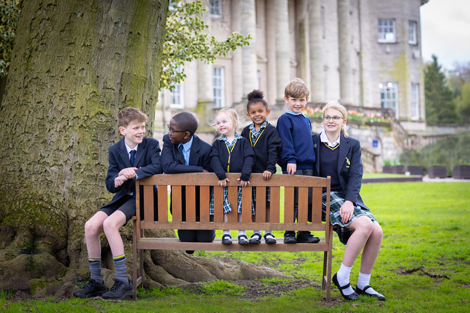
324, 138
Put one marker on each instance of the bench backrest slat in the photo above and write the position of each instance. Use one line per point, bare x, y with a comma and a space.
162, 205
197, 200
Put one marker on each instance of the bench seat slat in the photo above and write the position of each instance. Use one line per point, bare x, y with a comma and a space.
169, 244
234, 226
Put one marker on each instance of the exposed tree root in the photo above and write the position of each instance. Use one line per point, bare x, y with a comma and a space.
421, 268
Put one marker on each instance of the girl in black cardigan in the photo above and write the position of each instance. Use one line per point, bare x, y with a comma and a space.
339, 157
267, 146
231, 153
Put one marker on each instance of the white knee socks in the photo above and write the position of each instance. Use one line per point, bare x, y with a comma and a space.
343, 279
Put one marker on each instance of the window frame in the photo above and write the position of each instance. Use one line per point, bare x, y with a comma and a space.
215, 4
414, 103
382, 35
413, 32
219, 100
391, 89
178, 92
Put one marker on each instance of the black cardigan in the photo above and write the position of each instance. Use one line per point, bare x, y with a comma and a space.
241, 160
267, 149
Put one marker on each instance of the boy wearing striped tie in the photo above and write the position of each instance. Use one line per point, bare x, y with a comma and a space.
133, 157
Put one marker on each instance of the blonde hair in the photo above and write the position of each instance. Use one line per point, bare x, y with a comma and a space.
232, 114
336, 106
297, 89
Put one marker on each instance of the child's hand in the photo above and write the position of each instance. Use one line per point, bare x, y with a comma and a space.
291, 168
243, 183
223, 182
128, 172
205, 171
267, 175
118, 181
346, 211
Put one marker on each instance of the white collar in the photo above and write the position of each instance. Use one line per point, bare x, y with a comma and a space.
324, 138
129, 149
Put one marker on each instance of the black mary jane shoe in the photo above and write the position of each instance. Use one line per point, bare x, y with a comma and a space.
255, 239
226, 239
352, 297
269, 240
377, 295
242, 240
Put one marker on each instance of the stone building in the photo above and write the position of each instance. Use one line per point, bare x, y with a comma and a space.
361, 52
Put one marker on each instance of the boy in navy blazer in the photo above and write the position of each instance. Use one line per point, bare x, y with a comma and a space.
184, 152
133, 157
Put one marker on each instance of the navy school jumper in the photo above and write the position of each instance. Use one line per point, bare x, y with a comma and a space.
267, 148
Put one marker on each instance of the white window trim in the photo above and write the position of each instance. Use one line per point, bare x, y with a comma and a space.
385, 40
390, 85
221, 87
179, 88
414, 102
414, 40
219, 4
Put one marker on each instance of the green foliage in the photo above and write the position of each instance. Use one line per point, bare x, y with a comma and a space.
186, 41
9, 12
440, 107
463, 102
449, 152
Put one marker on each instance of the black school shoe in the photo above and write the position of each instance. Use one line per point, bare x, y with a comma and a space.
119, 291
306, 237
91, 289
352, 297
226, 239
377, 295
289, 237
255, 239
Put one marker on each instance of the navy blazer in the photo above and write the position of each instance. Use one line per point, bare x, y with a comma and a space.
173, 159
349, 167
147, 160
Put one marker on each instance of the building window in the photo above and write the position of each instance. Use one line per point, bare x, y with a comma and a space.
218, 82
177, 99
414, 102
412, 38
386, 30
389, 96
323, 22
215, 8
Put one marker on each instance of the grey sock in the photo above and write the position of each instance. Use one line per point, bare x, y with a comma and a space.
95, 269
121, 269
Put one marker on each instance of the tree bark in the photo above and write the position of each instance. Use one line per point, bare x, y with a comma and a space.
75, 65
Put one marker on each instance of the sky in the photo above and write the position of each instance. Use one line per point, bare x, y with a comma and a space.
445, 31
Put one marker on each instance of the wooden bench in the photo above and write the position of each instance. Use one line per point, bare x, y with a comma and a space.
156, 215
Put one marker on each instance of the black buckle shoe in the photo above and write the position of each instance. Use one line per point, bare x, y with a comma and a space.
91, 289
242, 240
269, 240
119, 291
255, 239
377, 295
306, 237
289, 237
226, 239
354, 296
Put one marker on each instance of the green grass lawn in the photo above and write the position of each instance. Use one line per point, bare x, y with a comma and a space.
425, 224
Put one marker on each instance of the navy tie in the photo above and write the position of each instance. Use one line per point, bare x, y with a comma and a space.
132, 159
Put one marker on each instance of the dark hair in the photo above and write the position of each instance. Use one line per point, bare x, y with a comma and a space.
130, 114
186, 121
254, 97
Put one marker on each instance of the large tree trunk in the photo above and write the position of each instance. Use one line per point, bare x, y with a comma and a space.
74, 66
